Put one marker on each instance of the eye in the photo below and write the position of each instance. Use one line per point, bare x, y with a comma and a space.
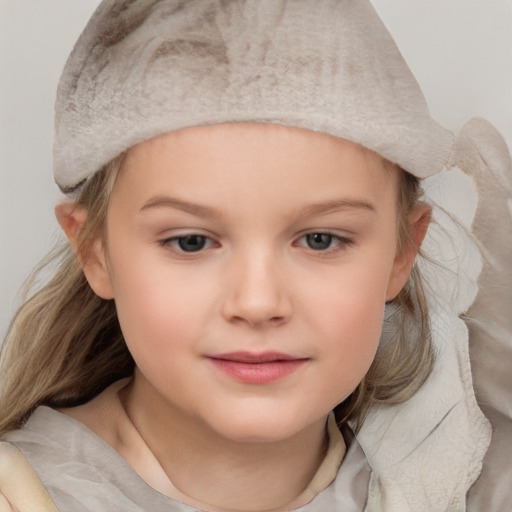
188, 243
323, 241
319, 241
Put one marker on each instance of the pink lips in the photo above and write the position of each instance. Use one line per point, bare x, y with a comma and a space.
256, 368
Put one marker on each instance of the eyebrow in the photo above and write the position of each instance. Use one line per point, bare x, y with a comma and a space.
198, 210
327, 207
179, 204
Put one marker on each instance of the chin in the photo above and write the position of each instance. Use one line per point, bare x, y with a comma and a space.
257, 433
261, 426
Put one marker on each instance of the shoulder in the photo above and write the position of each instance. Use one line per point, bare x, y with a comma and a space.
46, 429
49, 441
55, 454
53, 437
78, 466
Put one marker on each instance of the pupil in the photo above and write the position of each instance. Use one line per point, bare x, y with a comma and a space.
319, 241
192, 243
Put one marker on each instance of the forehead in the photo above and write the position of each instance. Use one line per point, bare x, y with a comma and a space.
254, 160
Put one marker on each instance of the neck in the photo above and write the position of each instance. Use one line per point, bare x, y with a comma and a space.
209, 471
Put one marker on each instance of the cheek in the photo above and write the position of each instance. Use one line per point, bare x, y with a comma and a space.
351, 298
349, 319
156, 308
162, 330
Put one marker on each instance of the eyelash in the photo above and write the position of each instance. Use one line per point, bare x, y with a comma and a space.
175, 243
341, 242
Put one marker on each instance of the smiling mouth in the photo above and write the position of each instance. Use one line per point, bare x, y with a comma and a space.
252, 368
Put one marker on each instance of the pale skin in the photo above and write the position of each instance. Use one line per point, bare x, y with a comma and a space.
242, 238
21, 490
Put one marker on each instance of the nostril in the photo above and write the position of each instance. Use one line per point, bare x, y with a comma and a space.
255, 314
257, 320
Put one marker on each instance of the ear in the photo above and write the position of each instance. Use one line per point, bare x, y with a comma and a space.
72, 220
418, 220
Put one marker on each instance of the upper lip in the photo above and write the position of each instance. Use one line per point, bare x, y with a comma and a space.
256, 357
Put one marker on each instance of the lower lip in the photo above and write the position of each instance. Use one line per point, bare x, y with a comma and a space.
258, 373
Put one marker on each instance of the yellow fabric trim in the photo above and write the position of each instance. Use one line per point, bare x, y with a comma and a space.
328, 470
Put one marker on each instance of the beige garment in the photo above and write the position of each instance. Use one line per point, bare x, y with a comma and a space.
483, 154
84, 474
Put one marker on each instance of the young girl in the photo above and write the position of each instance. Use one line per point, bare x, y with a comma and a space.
238, 323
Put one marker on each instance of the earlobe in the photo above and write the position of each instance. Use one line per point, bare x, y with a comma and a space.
72, 219
418, 221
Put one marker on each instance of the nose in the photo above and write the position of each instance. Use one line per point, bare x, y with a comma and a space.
258, 293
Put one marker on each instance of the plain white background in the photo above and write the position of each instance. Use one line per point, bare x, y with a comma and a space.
459, 50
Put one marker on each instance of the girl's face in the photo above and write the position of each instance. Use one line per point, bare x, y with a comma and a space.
250, 265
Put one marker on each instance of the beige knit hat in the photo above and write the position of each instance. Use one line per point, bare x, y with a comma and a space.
142, 68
